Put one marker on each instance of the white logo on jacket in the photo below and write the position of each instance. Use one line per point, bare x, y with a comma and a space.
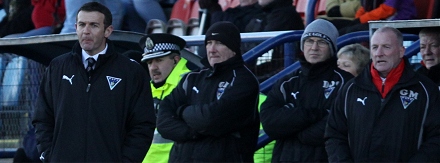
68, 79
362, 100
294, 94
329, 86
407, 97
221, 89
195, 89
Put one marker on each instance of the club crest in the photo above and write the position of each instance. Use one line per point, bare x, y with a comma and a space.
112, 81
221, 89
329, 86
149, 43
407, 97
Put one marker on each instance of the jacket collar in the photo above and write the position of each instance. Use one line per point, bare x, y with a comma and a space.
314, 70
77, 53
229, 64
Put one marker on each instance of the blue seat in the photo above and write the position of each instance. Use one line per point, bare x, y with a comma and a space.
12, 81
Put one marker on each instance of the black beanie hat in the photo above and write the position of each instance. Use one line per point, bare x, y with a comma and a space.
227, 33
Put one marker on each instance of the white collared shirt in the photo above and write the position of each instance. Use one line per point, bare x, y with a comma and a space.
85, 56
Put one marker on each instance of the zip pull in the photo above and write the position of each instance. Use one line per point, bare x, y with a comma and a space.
88, 87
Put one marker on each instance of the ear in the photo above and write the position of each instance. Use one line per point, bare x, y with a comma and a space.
108, 31
176, 59
402, 51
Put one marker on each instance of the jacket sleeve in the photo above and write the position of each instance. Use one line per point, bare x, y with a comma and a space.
336, 133
382, 12
430, 148
329, 4
169, 125
43, 120
314, 135
236, 108
141, 120
349, 8
281, 119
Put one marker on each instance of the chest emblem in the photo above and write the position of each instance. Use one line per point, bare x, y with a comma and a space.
294, 94
407, 97
221, 89
329, 86
113, 81
362, 100
195, 89
68, 79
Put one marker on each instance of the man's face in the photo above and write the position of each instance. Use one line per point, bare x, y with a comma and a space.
316, 50
386, 51
91, 31
218, 52
430, 49
347, 63
160, 68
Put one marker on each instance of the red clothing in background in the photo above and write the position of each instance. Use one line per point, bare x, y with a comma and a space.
42, 16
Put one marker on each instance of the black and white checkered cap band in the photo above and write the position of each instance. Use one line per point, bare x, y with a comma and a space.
162, 47
146, 56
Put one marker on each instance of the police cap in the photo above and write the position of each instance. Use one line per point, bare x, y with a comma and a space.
160, 44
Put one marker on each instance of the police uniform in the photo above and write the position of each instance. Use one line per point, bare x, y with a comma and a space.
156, 46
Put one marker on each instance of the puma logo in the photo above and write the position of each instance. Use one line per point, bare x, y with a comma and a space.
294, 94
195, 89
69, 79
362, 100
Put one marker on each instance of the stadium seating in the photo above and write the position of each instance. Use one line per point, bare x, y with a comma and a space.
182, 10
12, 81
155, 26
176, 27
426, 9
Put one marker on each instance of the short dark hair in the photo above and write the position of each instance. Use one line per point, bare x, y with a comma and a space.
430, 30
96, 6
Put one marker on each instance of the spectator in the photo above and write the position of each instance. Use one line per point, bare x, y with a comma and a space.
47, 17
166, 68
353, 58
279, 15
388, 113
240, 15
380, 10
89, 112
72, 6
430, 51
18, 17
341, 12
139, 12
217, 124
296, 109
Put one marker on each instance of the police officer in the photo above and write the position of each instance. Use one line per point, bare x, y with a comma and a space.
166, 67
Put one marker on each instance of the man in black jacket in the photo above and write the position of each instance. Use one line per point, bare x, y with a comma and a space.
212, 114
430, 51
388, 113
94, 105
296, 109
